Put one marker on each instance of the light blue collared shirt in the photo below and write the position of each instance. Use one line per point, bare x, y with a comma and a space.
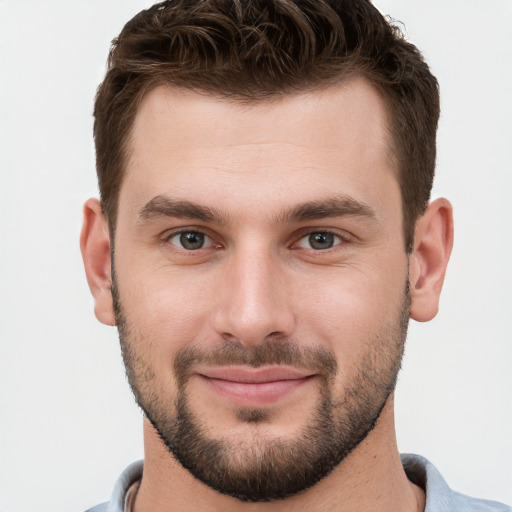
440, 498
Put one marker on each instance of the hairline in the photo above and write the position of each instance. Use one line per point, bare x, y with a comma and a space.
393, 158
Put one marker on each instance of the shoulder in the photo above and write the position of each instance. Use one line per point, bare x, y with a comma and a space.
99, 508
132, 474
440, 498
466, 503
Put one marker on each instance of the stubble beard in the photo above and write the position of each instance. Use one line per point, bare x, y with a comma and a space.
263, 468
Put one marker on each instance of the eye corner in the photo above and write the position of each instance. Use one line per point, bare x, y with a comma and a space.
189, 240
320, 240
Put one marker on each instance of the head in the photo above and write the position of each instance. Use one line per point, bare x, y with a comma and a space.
260, 51
264, 172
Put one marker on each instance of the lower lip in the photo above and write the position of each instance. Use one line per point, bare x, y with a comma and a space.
255, 393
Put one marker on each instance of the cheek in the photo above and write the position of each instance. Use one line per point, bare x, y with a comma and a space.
350, 309
164, 309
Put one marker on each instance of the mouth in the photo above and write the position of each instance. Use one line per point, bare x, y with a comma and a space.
254, 387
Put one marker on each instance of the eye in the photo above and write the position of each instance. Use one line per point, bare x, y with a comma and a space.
320, 241
191, 240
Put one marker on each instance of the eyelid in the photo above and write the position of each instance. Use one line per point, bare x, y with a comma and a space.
343, 237
337, 240
207, 241
168, 235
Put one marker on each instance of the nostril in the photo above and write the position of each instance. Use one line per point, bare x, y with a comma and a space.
229, 337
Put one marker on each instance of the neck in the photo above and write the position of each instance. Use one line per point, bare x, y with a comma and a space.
370, 478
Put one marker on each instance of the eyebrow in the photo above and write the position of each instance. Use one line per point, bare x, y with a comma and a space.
162, 206
337, 206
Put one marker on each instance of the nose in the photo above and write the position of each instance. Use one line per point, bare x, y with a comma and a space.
253, 302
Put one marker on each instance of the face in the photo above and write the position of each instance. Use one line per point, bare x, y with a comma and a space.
261, 282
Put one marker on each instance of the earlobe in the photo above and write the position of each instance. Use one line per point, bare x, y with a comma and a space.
427, 264
95, 247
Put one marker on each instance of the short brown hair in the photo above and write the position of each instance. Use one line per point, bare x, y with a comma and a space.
256, 50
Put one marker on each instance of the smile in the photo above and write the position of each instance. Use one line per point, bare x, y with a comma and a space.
254, 387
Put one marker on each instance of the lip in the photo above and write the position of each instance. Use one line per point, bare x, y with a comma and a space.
256, 387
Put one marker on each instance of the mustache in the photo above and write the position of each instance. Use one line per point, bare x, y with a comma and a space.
279, 353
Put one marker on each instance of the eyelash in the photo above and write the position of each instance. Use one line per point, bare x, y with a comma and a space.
326, 234
170, 236
340, 239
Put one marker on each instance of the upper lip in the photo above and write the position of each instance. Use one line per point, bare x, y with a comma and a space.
254, 375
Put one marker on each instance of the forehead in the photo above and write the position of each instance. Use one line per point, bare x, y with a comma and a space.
185, 143
313, 118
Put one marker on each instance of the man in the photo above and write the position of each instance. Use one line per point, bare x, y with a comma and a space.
263, 236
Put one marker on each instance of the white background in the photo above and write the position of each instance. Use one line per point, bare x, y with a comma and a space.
68, 424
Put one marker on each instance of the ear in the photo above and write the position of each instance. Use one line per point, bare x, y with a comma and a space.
433, 241
95, 247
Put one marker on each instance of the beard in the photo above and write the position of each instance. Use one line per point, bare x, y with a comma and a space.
259, 467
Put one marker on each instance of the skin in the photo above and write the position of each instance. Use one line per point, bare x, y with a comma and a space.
258, 277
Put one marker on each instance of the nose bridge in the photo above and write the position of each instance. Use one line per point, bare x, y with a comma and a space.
254, 303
